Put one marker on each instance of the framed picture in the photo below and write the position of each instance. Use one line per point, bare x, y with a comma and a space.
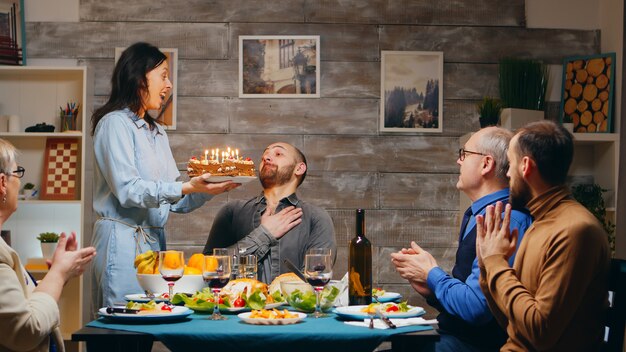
12, 33
587, 98
60, 167
279, 66
167, 114
411, 86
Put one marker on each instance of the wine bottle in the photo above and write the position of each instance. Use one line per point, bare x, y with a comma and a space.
360, 264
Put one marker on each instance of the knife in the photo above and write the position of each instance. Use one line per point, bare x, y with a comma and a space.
294, 269
385, 319
111, 310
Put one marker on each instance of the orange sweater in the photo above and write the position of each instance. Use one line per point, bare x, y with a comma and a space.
553, 299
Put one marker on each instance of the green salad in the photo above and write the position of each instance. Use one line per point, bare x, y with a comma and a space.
305, 301
201, 301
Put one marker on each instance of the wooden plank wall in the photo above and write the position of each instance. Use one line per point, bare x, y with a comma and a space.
406, 182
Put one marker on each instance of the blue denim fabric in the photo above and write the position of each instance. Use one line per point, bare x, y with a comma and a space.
134, 183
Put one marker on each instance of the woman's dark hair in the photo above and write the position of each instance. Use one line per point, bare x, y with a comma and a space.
129, 82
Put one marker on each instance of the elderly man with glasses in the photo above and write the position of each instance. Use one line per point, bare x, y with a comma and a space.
465, 322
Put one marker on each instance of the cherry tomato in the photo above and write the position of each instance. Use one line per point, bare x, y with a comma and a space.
239, 303
392, 309
165, 295
166, 308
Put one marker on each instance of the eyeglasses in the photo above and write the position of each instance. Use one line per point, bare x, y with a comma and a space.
19, 173
463, 153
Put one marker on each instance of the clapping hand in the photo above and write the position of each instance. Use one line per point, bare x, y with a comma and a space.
68, 261
493, 235
280, 223
414, 263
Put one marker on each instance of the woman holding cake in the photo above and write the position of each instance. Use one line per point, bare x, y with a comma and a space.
135, 175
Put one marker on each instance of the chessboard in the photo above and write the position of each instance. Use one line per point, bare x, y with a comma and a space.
60, 169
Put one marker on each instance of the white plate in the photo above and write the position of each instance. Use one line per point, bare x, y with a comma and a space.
142, 298
260, 321
355, 313
177, 313
235, 179
247, 309
388, 297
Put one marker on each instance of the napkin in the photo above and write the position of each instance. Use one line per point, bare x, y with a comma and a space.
379, 324
342, 299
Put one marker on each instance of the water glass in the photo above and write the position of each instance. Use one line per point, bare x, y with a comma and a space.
248, 266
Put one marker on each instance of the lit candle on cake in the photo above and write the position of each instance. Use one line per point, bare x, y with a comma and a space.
237, 153
206, 154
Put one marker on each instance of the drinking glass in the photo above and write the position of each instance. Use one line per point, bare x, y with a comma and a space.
172, 268
248, 266
216, 273
235, 261
318, 270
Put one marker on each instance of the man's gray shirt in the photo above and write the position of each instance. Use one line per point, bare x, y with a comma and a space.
238, 225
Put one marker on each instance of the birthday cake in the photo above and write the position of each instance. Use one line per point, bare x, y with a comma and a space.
229, 163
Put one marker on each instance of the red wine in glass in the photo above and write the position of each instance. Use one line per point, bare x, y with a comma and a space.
217, 282
317, 281
171, 278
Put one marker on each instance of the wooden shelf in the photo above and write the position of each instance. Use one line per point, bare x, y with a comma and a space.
41, 134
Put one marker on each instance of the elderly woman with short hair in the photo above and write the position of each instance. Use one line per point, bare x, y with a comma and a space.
29, 312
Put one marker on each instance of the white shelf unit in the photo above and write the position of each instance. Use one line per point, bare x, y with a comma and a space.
597, 155
35, 95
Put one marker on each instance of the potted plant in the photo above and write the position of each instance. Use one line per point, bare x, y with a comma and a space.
489, 111
49, 242
590, 196
29, 191
523, 84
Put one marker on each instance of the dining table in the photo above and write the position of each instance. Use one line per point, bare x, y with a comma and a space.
197, 332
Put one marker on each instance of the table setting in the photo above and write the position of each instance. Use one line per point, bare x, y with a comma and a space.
245, 322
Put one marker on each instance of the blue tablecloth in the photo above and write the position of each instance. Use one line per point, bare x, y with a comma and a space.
320, 335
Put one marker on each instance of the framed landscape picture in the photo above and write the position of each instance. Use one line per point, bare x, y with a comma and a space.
411, 91
167, 114
279, 66
587, 97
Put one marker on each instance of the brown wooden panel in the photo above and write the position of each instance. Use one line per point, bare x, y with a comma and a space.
350, 79
213, 78
98, 39
419, 191
331, 190
397, 228
193, 11
465, 12
305, 116
339, 42
470, 81
488, 45
205, 114
418, 153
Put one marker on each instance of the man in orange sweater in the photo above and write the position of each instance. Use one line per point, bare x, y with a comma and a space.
553, 298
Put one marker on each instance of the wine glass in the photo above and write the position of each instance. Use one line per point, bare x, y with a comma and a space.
172, 268
216, 273
318, 270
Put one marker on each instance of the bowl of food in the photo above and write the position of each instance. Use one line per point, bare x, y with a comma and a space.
300, 295
154, 283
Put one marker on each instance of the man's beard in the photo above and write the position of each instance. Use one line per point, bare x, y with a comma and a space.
520, 194
271, 176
